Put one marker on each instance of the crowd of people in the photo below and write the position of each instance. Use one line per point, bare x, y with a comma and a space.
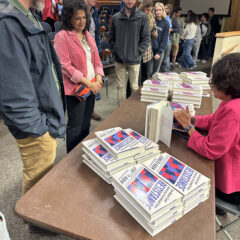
40, 79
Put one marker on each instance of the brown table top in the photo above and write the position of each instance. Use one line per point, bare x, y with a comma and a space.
71, 199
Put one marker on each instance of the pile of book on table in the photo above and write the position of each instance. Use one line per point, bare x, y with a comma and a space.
168, 77
187, 93
196, 78
155, 188
115, 149
160, 191
153, 91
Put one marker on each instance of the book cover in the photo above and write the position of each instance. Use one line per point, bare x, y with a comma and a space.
177, 106
195, 73
119, 143
99, 153
179, 175
182, 87
149, 192
152, 99
155, 84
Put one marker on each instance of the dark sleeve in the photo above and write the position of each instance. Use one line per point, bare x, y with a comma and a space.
144, 36
164, 38
112, 34
175, 26
97, 34
19, 104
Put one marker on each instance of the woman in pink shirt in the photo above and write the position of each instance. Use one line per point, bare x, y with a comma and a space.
222, 144
78, 54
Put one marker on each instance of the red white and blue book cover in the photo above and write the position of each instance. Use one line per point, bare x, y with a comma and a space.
195, 73
155, 83
96, 151
177, 106
146, 188
187, 87
179, 175
119, 143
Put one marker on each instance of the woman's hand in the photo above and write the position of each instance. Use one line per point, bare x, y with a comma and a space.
94, 87
99, 78
154, 34
183, 117
157, 56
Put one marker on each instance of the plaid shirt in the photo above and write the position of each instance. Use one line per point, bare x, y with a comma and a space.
148, 54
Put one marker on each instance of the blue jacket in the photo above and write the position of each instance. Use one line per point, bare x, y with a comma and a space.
159, 44
30, 104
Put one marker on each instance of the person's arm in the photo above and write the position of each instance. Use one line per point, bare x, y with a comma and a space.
144, 36
112, 34
19, 104
164, 39
175, 26
223, 135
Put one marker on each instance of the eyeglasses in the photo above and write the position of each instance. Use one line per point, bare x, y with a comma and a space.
210, 82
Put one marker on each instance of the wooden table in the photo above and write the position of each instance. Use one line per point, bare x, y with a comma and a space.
71, 199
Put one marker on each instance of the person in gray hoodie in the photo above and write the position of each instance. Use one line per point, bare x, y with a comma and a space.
129, 38
31, 88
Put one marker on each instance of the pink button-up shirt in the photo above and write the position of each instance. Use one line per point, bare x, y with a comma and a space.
222, 144
73, 58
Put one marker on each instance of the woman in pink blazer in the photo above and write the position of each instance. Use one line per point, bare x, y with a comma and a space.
222, 144
78, 54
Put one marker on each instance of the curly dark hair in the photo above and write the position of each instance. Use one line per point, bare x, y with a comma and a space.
69, 9
226, 75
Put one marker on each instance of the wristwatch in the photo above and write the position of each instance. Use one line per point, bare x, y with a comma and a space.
188, 128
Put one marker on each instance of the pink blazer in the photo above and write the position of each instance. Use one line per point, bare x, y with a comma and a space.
73, 58
222, 144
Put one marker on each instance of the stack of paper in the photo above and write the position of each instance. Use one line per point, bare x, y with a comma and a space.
105, 161
186, 93
194, 186
150, 200
168, 77
154, 90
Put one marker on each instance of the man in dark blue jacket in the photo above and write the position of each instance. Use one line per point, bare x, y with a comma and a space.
129, 38
30, 88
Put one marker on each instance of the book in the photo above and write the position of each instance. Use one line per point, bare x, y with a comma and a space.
178, 106
182, 87
98, 152
151, 229
152, 99
150, 195
158, 124
119, 143
195, 73
96, 169
196, 80
155, 84
179, 175
154, 91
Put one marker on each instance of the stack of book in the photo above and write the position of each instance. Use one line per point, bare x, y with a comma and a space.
186, 93
196, 80
168, 77
184, 75
105, 161
160, 191
153, 91
193, 186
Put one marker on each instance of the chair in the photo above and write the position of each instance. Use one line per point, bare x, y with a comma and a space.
57, 26
46, 27
230, 208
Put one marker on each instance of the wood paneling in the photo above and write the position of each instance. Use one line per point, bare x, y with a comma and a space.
233, 22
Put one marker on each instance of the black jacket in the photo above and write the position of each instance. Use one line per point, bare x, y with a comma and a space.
30, 104
129, 37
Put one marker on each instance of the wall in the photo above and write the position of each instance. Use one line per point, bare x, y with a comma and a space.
233, 22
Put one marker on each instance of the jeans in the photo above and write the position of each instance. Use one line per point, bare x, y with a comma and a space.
166, 60
187, 60
146, 71
79, 119
157, 63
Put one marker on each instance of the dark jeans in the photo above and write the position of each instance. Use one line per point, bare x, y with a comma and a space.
187, 60
79, 119
203, 51
233, 198
146, 71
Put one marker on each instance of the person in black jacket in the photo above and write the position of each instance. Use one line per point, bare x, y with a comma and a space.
30, 88
215, 28
129, 38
